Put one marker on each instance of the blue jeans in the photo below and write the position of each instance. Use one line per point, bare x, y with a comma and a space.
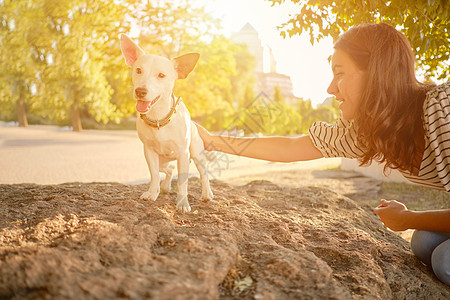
433, 248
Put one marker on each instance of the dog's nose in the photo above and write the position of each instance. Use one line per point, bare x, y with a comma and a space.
140, 92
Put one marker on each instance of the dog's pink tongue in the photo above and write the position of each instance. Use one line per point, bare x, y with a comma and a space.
142, 106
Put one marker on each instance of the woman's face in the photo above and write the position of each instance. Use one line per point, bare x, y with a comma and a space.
347, 85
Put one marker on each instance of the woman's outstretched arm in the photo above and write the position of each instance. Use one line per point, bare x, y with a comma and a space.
276, 149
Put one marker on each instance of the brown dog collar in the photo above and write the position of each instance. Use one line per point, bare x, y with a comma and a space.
164, 121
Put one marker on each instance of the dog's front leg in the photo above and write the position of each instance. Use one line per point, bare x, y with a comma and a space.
183, 175
153, 165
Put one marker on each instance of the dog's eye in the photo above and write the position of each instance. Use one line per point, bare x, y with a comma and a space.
138, 70
161, 75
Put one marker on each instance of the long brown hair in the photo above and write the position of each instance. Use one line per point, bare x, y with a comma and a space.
389, 119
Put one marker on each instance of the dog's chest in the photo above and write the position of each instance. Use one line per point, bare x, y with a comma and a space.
167, 148
165, 143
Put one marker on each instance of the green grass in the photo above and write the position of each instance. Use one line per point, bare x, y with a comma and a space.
415, 197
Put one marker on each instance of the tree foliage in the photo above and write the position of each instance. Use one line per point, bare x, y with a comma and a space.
68, 51
210, 88
64, 50
268, 116
277, 95
223, 71
61, 60
82, 33
168, 27
328, 113
426, 23
21, 58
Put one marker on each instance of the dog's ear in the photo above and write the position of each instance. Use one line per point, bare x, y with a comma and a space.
130, 50
184, 64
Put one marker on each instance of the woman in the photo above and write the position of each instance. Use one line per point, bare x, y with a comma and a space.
388, 117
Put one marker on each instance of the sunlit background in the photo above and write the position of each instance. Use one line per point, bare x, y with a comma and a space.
62, 65
307, 65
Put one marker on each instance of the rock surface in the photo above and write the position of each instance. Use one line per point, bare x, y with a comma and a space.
256, 241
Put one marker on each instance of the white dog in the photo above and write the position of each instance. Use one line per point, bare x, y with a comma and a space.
164, 125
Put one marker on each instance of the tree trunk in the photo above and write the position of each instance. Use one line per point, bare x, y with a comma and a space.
22, 113
76, 119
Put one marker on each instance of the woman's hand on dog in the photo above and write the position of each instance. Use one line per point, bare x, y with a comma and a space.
206, 137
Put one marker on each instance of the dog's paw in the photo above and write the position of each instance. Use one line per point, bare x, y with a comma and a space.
183, 207
165, 191
150, 195
165, 188
207, 194
183, 204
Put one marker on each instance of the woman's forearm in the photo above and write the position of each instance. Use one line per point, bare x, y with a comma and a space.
397, 217
277, 149
432, 220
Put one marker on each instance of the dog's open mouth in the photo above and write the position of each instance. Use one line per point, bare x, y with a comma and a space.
144, 106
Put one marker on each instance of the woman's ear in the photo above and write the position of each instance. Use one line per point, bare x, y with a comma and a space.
184, 64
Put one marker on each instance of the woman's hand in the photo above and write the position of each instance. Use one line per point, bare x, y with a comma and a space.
397, 217
393, 214
206, 137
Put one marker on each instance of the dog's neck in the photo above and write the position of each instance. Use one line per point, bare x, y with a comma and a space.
158, 123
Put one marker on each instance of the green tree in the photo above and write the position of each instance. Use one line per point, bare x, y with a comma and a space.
248, 97
277, 95
209, 88
175, 28
21, 58
266, 116
325, 113
304, 108
75, 79
67, 61
288, 122
169, 27
426, 23
60, 58
244, 81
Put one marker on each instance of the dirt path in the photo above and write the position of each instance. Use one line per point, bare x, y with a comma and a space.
256, 241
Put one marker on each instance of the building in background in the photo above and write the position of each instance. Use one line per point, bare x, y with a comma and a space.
266, 81
249, 36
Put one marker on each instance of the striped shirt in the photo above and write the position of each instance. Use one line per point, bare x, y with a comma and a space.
339, 140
